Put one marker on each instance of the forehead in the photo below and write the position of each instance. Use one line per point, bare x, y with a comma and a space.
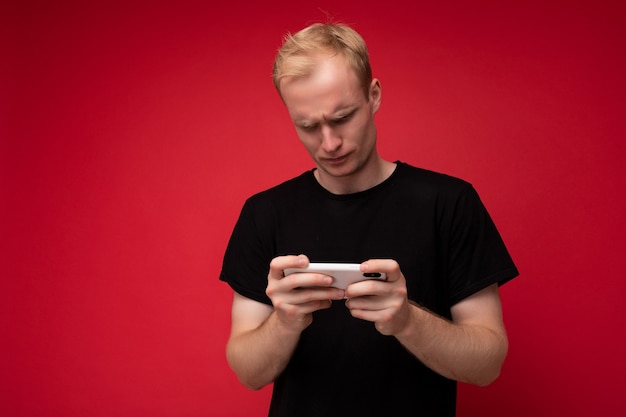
331, 86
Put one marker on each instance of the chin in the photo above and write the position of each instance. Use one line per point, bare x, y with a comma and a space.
339, 171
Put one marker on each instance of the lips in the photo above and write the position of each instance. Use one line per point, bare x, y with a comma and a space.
335, 161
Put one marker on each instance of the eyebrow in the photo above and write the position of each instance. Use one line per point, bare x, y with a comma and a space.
337, 115
345, 112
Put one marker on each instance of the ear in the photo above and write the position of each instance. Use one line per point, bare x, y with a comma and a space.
375, 96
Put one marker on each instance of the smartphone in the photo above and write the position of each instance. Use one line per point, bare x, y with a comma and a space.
343, 274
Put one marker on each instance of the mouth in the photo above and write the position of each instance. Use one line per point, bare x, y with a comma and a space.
335, 161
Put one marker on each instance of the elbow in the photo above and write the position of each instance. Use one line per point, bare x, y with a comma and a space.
250, 384
245, 377
247, 381
250, 381
485, 375
493, 368
487, 378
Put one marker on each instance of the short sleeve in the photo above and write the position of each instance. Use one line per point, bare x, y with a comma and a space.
477, 257
249, 252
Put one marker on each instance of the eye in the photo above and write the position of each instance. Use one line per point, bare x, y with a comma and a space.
343, 119
308, 128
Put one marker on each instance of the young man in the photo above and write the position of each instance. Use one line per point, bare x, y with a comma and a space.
393, 347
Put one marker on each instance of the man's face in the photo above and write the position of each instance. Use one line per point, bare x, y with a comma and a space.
333, 118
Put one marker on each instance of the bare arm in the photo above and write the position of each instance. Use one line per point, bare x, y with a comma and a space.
470, 348
258, 349
263, 338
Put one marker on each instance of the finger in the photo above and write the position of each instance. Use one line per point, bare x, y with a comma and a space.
308, 280
379, 317
366, 288
295, 311
367, 315
388, 266
307, 295
280, 263
370, 303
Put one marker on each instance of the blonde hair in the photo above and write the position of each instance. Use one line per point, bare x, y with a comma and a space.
296, 56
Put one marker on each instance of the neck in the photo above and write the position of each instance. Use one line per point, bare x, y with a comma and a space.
368, 177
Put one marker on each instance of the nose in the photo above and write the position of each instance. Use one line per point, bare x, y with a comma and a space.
330, 140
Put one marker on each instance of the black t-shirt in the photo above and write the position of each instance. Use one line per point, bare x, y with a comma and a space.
433, 225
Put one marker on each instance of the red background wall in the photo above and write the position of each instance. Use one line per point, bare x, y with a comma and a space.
132, 133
